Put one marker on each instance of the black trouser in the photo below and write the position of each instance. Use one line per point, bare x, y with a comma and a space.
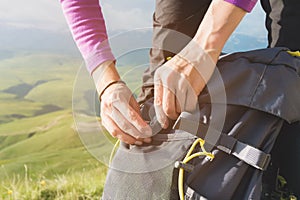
286, 155
282, 23
184, 16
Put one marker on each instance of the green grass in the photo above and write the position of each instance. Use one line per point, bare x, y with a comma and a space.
6, 96
81, 184
51, 141
57, 134
41, 154
11, 107
53, 154
58, 70
34, 124
33, 67
58, 92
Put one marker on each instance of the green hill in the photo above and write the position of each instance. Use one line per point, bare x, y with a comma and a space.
50, 146
38, 136
38, 140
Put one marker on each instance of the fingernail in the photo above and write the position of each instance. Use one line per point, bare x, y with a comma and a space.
138, 143
147, 140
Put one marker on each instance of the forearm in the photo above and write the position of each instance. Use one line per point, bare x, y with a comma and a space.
218, 24
87, 25
104, 75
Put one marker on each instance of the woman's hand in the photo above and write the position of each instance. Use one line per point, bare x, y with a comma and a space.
120, 113
179, 82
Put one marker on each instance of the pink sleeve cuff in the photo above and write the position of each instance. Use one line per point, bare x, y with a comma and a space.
98, 57
246, 5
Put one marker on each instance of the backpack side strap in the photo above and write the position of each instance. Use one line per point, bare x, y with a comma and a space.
226, 143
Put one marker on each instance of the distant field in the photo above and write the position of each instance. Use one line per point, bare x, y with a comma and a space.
41, 154
37, 129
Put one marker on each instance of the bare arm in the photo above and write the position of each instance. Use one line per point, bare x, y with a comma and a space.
119, 110
218, 24
192, 67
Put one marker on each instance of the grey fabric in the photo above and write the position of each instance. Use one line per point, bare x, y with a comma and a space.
227, 177
252, 81
266, 80
226, 143
146, 172
255, 81
262, 89
251, 155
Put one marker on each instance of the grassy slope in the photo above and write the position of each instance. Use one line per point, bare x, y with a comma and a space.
30, 68
11, 106
46, 144
57, 92
59, 70
54, 153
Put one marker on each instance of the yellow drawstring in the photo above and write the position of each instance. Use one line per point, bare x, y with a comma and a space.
113, 151
168, 58
294, 53
189, 157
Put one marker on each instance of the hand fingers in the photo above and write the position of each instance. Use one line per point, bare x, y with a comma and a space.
130, 121
136, 107
180, 97
191, 100
149, 130
186, 96
123, 123
158, 98
116, 132
121, 117
133, 103
173, 93
169, 104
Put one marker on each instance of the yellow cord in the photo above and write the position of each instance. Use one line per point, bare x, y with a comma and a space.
168, 58
113, 151
294, 53
189, 157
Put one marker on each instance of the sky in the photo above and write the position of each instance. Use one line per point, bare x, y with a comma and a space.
119, 15
46, 15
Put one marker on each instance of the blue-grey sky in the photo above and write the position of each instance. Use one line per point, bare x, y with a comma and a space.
119, 14
47, 15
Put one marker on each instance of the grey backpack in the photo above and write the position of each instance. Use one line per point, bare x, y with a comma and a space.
262, 91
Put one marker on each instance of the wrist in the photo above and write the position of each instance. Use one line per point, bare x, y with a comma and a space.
107, 85
105, 74
199, 59
191, 73
211, 45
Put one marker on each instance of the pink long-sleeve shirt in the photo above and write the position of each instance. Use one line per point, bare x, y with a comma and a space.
87, 25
